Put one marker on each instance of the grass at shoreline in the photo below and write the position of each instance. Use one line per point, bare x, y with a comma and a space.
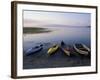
35, 30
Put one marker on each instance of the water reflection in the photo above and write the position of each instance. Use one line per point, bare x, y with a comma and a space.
68, 35
55, 36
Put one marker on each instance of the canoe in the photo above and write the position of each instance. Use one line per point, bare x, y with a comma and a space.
34, 50
88, 49
82, 49
65, 48
53, 49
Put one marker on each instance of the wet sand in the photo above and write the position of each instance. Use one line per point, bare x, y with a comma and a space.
59, 59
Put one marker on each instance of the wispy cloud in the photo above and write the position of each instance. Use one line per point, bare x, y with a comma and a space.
41, 18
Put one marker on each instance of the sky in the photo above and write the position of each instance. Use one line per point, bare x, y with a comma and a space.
49, 18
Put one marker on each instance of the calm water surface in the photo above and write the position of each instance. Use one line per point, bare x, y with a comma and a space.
68, 35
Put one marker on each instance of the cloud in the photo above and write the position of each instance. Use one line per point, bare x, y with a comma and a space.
42, 18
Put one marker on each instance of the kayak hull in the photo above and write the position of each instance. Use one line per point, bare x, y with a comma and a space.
33, 50
52, 50
65, 48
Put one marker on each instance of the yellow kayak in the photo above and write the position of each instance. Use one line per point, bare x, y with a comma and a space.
53, 49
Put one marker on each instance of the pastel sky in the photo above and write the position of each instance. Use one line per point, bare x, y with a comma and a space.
45, 19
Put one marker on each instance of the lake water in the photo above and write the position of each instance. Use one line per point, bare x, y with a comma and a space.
70, 35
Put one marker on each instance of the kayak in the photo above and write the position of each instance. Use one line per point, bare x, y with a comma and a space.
65, 48
82, 49
53, 49
34, 50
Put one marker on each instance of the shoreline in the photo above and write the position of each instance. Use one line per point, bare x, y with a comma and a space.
31, 30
